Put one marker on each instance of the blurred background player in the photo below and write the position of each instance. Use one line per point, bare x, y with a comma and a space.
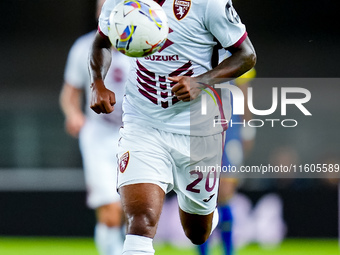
238, 144
98, 138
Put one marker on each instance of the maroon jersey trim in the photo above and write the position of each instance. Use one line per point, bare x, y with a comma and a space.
240, 41
101, 33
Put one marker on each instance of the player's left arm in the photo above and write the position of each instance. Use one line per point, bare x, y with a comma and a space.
243, 58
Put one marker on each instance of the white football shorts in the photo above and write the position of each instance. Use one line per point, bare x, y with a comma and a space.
99, 145
172, 161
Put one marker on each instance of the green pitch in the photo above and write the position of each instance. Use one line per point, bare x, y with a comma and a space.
85, 246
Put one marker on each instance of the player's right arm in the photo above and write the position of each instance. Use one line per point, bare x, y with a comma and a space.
102, 99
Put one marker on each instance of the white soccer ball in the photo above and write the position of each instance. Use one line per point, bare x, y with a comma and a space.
138, 28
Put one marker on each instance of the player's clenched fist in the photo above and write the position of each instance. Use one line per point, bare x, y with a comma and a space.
102, 99
186, 88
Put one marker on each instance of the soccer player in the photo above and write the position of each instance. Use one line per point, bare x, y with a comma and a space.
165, 138
98, 138
239, 142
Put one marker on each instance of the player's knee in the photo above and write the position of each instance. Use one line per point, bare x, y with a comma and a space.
142, 223
196, 236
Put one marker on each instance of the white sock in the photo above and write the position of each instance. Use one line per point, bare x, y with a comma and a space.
138, 245
214, 220
109, 240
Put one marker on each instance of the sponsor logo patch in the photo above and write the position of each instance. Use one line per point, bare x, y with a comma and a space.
162, 58
124, 161
208, 199
181, 8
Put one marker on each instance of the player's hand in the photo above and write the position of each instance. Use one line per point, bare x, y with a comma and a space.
74, 123
102, 99
186, 88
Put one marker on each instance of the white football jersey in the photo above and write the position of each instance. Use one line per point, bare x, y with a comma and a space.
77, 74
194, 27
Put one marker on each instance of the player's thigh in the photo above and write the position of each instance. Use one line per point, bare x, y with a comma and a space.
145, 175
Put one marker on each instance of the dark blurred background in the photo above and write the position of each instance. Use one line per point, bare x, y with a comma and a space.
41, 183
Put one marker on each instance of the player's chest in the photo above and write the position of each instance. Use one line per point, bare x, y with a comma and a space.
184, 16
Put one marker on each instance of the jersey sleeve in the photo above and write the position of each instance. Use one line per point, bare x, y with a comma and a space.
103, 22
222, 20
73, 74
